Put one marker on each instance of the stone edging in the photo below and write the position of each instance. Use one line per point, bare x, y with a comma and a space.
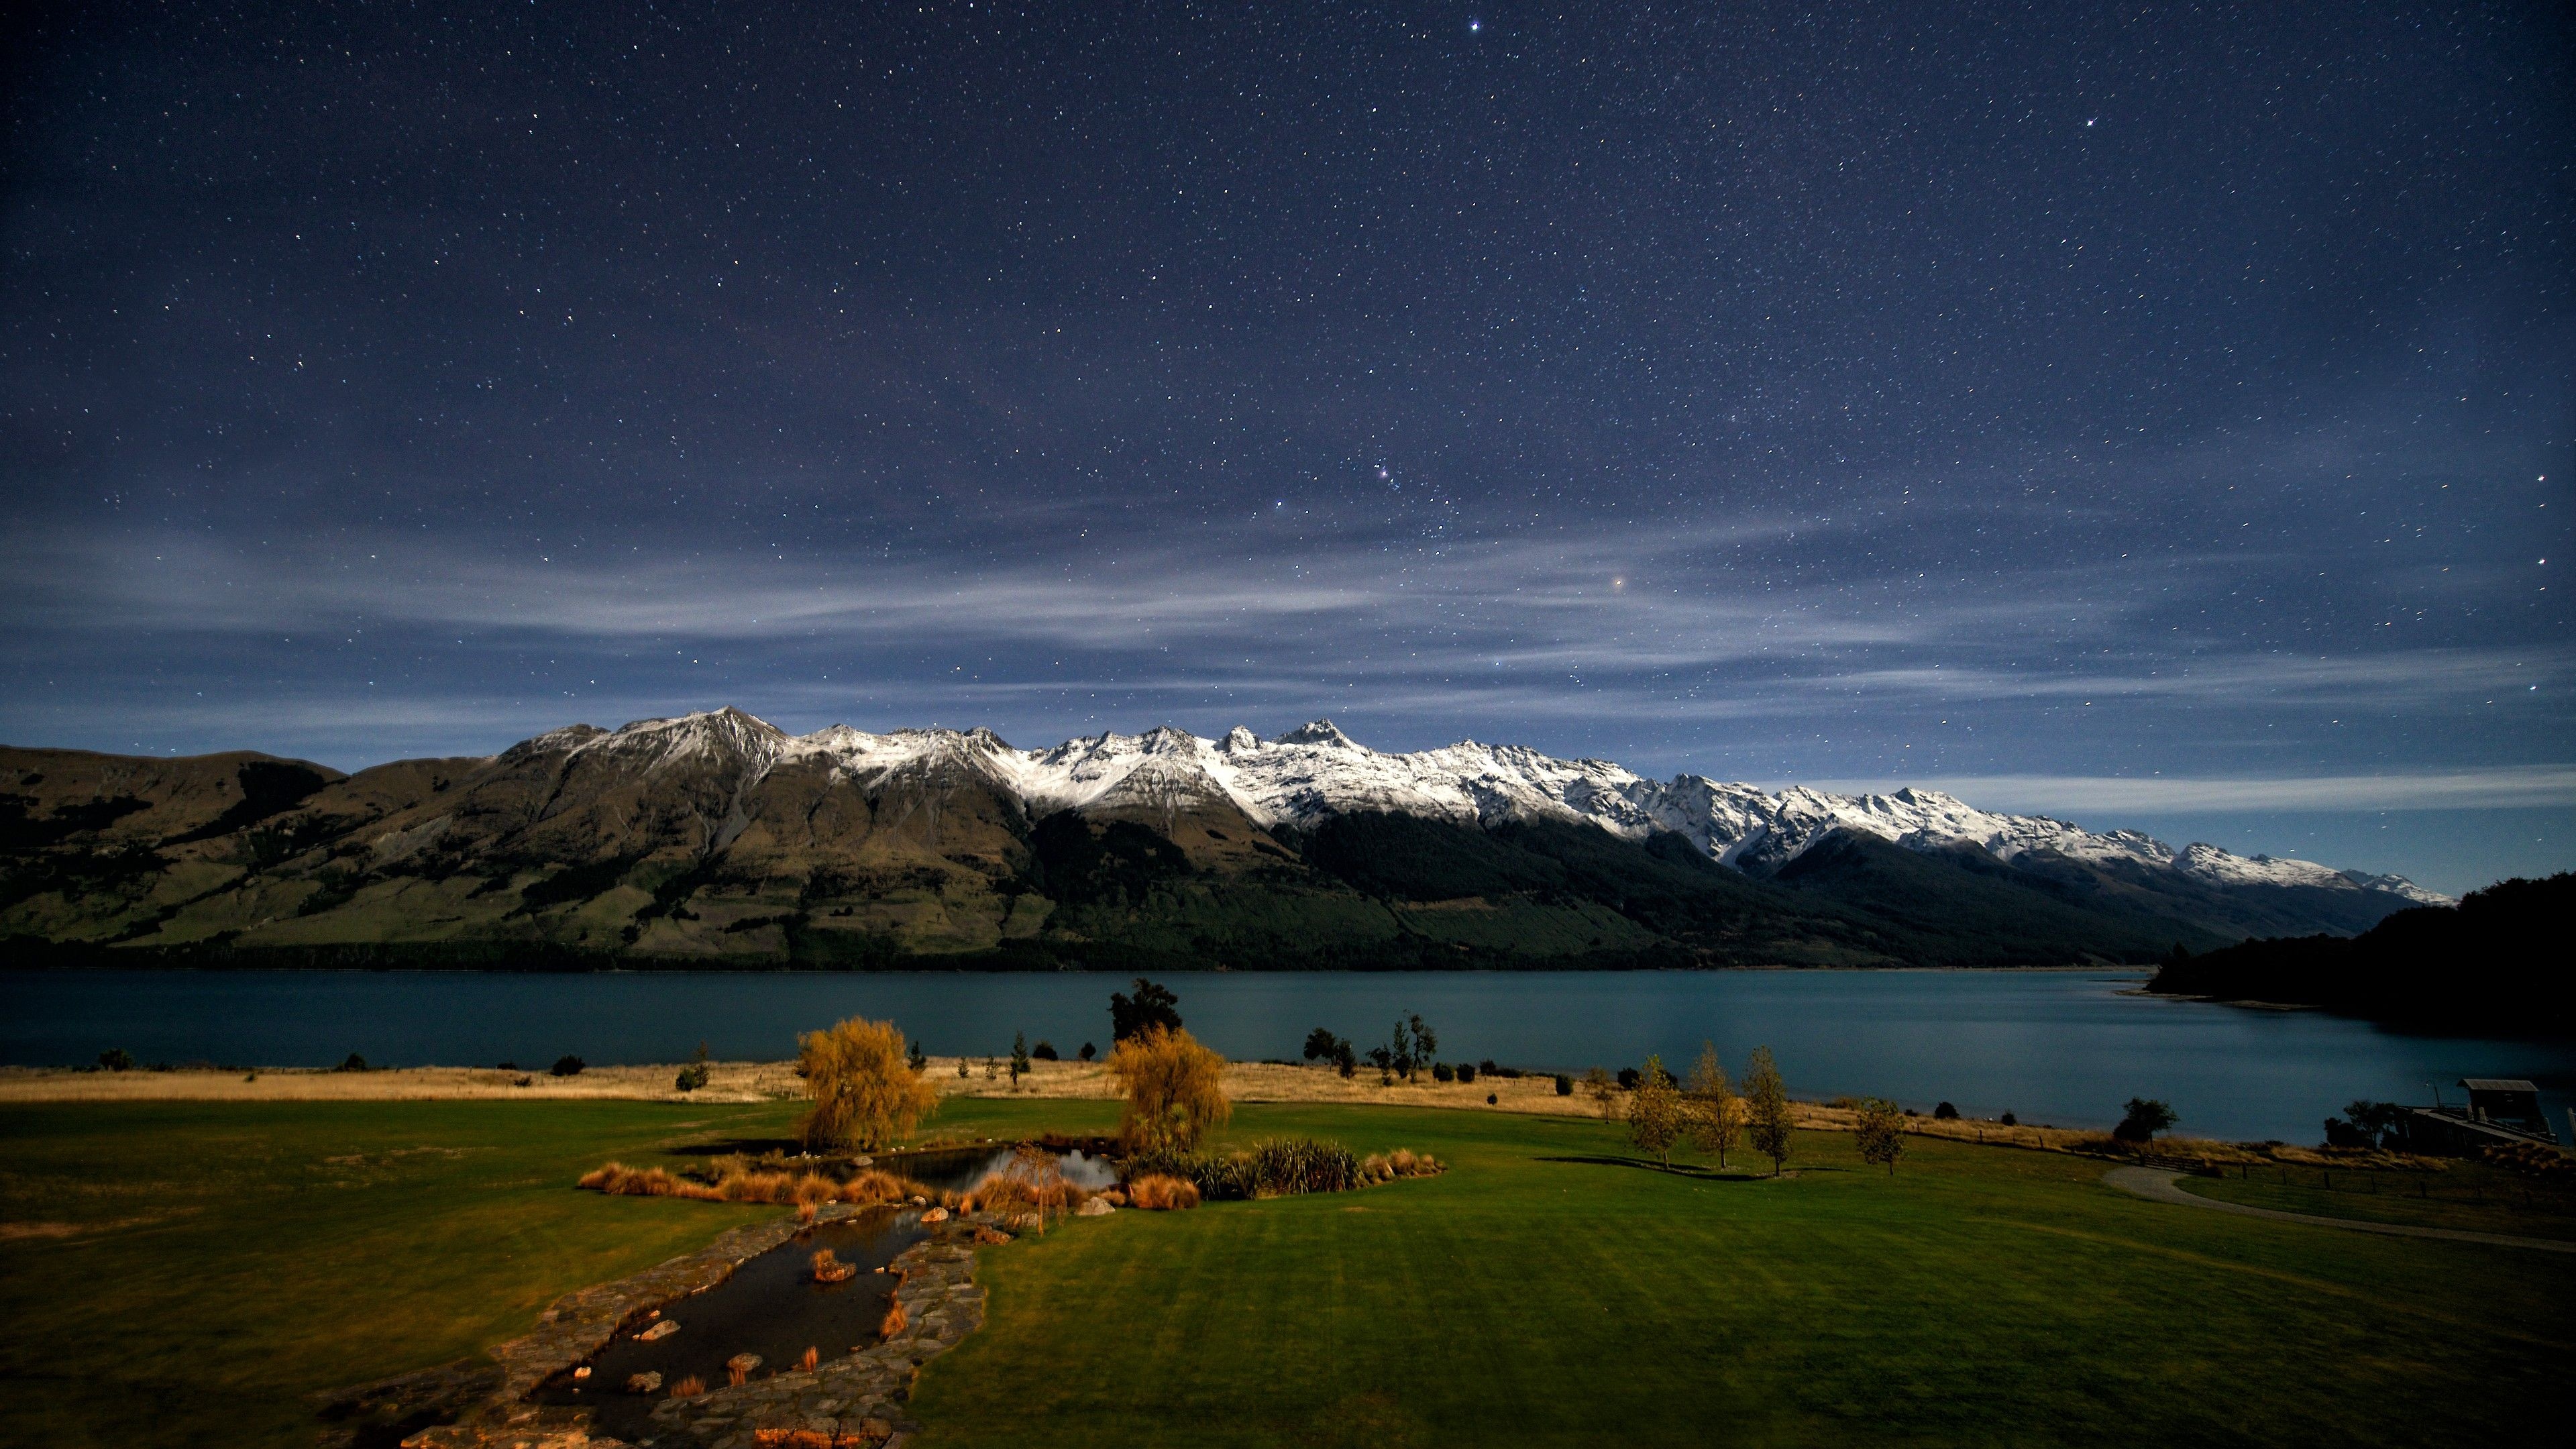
862, 1393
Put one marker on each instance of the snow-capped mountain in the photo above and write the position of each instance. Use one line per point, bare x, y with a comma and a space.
1316, 772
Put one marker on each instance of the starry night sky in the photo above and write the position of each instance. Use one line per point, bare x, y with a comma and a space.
2157, 418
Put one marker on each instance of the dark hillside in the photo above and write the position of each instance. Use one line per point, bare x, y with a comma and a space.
2498, 962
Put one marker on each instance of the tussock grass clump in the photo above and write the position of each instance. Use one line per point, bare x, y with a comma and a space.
1160, 1192
809, 1359
894, 1321
802, 1190
689, 1388
830, 1269
1388, 1166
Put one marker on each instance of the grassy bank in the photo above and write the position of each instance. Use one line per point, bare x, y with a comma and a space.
208, 1264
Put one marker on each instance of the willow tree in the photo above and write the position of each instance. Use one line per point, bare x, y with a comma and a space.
1175, 1089
865, 1088
1766, 1109
1715, 1116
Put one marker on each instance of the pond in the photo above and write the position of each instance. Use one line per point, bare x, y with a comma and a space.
2066, 1047
771, 1306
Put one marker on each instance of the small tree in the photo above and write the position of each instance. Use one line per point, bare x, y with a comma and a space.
566, 1065
118, 1059
1716, 1115
918, 1059
1044, 1051
1881, 1131
1088, 1051
1766, 1109
1603, 1092
1152, 1005
1655, 1113
1321, 1044
695, 1074
1019, 1058
865, 1090
2145, 1118
1175, 1089
1425, 1045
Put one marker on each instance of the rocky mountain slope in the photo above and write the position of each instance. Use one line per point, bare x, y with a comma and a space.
717, 838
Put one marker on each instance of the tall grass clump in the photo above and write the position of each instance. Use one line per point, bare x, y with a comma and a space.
1276, 1167
866, 1091
783, 1189
1159, 1192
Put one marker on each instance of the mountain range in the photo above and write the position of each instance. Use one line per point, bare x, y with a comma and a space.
716, 839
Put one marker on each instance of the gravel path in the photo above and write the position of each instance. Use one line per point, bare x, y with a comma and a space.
2157, 1184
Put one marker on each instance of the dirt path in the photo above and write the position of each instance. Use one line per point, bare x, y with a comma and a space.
2159, 1186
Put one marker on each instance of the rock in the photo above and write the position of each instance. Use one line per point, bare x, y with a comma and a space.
935, 1215
643, 1383
742, 1363
663, 1329
1094, 1207
582, 1372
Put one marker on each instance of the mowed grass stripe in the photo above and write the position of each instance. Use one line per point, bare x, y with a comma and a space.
1530, 1296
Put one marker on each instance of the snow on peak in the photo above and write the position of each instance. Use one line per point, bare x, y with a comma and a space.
1316, 771
1320, 732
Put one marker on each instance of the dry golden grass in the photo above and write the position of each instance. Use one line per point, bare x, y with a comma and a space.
727, 1082
780, 1188
893, 1322
1157, 1193
689, 1388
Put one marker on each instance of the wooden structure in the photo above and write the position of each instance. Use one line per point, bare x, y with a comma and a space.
2501, 1111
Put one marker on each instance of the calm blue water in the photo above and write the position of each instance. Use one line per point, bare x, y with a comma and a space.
2060, 1047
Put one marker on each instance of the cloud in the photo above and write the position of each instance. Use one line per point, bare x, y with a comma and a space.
2501, 787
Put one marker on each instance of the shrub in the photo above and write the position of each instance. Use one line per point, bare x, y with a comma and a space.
1175, 1088
1044, 1051
692, 1077
864, 1088
1158, 1193
1564, 1085
2145, 1118
2009, 1120
1490, 1099
566, 1065
1944, 1112
1443, 1072
1627, 1079
357, 1063
116, 1059
1088, 1051
1273, 1167
1466, 1071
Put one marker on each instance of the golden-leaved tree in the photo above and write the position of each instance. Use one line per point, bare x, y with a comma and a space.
866, 1091
1879, 1131
1175, 1088
1716, 1114
1655, 1112
1766, 1109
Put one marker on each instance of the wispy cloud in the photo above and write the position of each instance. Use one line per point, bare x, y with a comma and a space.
2503, 787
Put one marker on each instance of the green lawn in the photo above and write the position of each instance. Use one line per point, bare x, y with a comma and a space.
1542, 1292
2470, 1196
268, 1252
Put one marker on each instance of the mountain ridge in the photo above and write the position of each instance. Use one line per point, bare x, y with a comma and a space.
718, 836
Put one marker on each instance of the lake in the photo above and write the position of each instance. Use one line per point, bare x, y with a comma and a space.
2064, 1047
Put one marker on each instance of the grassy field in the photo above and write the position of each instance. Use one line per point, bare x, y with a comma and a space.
1547, 1290
185, 1273
2467, 1195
